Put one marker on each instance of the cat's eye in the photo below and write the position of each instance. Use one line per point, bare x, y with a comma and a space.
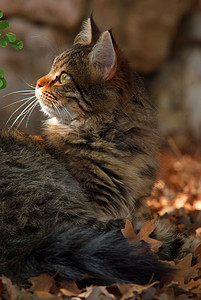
64, 78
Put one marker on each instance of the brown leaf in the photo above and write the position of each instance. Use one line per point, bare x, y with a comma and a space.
43, 283
198, 232
11, 289
46, 296
193, 285
69, 288
198, 252
185, 271
127, 290
95, 292
144, 233
128, 231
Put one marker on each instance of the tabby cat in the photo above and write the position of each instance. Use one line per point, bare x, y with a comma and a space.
65, 196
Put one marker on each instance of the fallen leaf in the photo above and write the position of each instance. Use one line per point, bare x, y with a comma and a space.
144, 233
46, 296
95, 292
128, 231
197, 252
185, 271
69, 288
193, 285
43, 282
11, 289
198, 232
128, 290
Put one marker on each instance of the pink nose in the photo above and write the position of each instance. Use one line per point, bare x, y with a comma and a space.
39, 84
45, 80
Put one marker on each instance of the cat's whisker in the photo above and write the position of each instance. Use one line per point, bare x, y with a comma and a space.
30, 112
59, 113
27, 113
26, 100
33, 87
20, 92
24, 110
15, 102
67, 113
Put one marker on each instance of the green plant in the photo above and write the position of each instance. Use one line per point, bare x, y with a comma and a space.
8, 38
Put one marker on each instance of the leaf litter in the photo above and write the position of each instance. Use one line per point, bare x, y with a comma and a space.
176, 197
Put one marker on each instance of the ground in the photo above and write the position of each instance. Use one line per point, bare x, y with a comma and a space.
176, 197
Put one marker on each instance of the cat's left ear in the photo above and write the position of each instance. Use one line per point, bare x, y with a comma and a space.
89, 33
103, 56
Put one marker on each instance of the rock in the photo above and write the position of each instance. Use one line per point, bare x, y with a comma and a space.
65, 14
190, 30
176, 91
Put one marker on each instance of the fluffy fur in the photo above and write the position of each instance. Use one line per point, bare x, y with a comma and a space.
65, 196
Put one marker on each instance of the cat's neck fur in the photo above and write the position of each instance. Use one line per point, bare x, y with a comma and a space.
117, 144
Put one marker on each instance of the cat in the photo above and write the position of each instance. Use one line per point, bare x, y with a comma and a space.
65, 196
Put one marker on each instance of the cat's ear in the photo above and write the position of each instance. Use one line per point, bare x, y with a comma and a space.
103, 56
89, 33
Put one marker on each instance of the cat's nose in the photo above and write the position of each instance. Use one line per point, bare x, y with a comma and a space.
45, 80
40, 83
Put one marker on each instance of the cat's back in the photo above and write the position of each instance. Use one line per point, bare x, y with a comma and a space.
37, 194
25, 162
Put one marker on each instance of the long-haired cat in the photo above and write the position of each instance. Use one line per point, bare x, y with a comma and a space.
64, 197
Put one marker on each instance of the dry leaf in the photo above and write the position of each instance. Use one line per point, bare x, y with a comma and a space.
144, 233
128, 231
198, 252
94, 292
193, 285
185, 271
44, 282
11, 289
69, 288
198, 232
45, 295
127, 290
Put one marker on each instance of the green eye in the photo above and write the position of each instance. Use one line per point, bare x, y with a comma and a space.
64, 78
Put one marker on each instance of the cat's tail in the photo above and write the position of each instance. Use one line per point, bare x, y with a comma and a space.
103, 258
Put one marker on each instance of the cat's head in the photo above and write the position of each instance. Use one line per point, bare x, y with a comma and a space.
90, 78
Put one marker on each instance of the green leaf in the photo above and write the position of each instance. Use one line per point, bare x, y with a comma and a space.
11, 37
3, 83
3, 42
4, 25
1, 73
17, 45
1, 14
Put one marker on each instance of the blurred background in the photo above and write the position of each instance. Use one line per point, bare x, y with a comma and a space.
161, 39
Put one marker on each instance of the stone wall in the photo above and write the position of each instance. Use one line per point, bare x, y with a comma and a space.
162, 40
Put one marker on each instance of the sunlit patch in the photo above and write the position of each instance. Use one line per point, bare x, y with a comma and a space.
197, 204
180, 201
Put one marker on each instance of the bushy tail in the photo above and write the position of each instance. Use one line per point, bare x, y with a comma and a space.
103, 258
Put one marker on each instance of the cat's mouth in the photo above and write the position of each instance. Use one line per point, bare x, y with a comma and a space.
63, 114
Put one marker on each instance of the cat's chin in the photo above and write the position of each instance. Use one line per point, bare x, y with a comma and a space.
57, 116
52, 121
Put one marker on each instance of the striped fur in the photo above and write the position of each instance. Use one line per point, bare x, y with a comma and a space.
65, 197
